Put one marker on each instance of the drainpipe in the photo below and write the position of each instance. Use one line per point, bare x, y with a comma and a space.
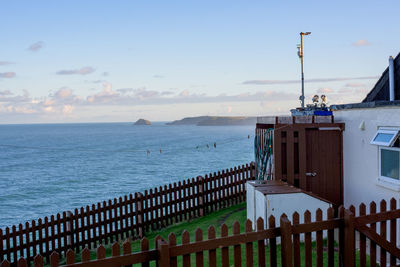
391, 79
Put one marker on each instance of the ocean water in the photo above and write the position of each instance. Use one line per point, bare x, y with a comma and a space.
50, 168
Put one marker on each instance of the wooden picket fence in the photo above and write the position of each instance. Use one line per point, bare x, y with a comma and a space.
126, 217
262, 246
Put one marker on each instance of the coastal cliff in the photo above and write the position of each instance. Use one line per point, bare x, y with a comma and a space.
215, 121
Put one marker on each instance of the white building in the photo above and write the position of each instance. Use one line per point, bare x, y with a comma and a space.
371, 149
370, 167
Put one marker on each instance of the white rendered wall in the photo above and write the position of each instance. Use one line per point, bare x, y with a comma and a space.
277, 204
261, 207
360, 158
250, 202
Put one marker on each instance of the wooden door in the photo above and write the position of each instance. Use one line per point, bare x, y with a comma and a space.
324, 163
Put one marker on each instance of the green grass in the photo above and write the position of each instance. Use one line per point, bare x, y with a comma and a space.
227, 216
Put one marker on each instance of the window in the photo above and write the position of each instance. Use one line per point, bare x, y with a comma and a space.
385, 137
389, 163
387, 140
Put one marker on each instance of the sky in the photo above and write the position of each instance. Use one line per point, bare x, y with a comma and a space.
118, 61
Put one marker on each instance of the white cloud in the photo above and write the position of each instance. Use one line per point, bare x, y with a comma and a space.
164, 93
325, 90
355, 85
125, 90
361, 42
325, 80
5, 63
36, 46
5, 93
7, 74
48, 102
19, 109
63, 93
68, 109
345, 90
143, 93
8, 97
184, 93
48, 109
61, 102
107, 95
81, 71
65, 103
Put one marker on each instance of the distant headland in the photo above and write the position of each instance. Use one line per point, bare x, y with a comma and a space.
142, 122
215, 121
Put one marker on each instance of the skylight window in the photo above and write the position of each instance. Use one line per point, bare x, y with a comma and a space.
385, 137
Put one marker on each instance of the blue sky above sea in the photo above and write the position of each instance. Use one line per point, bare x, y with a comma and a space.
102, 61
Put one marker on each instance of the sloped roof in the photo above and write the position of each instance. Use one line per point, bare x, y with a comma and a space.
380, 92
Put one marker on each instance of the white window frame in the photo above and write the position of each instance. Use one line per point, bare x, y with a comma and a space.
385, 178
395, 133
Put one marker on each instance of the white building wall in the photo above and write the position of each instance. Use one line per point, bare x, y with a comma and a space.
261, 205
360, 158
278, 204
250, 202
261, 208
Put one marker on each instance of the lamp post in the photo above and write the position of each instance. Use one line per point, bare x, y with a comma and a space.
301, 56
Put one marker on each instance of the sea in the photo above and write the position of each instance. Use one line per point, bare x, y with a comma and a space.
50, 168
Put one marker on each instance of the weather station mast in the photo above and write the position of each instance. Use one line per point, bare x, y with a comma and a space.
300, 52
318, 108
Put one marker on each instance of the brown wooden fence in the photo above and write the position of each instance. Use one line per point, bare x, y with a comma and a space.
262, 246
126, 217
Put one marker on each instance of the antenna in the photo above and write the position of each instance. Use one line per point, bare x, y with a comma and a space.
300, 53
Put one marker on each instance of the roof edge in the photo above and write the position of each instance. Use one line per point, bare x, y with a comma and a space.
373, 104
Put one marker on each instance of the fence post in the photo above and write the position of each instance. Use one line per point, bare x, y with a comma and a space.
140, 214
252, 171
286, 241
349, 237
163, 252
70, 234
200, 195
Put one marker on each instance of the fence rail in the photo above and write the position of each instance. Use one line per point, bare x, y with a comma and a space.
262, 245
130, 216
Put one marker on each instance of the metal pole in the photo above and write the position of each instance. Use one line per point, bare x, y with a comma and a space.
391, 79
302, 70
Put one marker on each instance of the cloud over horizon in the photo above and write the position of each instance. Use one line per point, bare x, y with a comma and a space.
7, 75
81, 71
5, 63
325, 90
355, 85
64, 103
338, 79
5, 93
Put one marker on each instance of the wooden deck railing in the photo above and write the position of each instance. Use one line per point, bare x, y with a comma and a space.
129, 216
275, 246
